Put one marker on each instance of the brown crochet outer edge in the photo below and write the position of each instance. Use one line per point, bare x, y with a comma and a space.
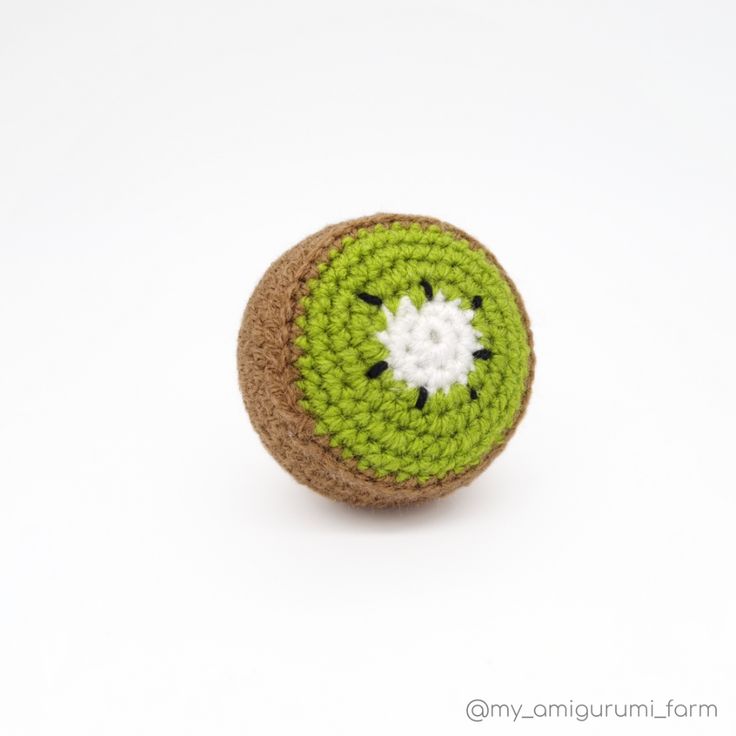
267, 374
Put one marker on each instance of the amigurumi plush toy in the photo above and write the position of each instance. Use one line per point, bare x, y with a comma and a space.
385, 360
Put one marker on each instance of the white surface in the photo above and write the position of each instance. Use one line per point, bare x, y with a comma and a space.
433, 346
159, 573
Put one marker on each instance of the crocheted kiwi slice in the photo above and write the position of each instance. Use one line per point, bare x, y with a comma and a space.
415, 354
385, 360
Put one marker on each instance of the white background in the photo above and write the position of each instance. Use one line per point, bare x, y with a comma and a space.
159, 572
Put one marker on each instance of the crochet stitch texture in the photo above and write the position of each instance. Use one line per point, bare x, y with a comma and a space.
328, 389
381, 421
432, 347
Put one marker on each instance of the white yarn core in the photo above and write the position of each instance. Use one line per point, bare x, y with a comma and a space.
431, 346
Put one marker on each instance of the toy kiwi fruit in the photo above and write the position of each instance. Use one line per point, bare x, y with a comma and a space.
385, 360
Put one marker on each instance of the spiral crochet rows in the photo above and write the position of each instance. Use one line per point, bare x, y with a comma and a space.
375, 419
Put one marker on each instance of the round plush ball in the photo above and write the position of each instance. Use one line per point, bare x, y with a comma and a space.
385, 360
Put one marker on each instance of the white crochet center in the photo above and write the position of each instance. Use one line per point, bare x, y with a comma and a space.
431, 346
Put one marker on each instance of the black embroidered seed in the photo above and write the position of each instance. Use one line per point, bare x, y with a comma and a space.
427, 289
477, 302
483, 354
422, 398
376, 301
376, 369
473, 394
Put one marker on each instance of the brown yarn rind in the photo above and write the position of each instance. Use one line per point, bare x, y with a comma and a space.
268, 377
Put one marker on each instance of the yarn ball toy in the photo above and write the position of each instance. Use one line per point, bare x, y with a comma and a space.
386, 360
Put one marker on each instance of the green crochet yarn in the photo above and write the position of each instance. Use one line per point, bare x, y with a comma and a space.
376, 420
